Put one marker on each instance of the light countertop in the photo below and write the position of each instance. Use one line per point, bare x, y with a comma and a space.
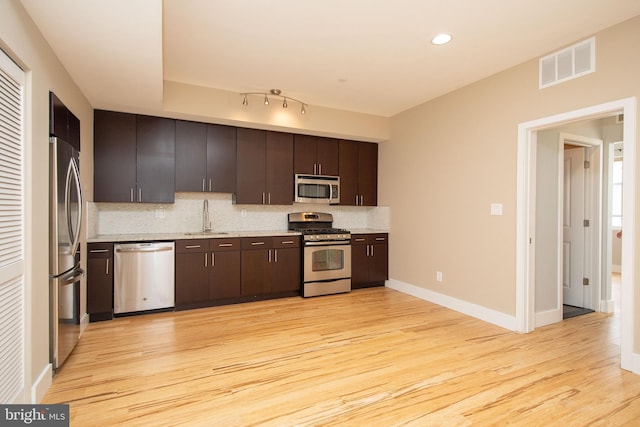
201, 235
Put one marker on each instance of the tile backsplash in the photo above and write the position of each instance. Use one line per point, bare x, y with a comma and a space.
185, 215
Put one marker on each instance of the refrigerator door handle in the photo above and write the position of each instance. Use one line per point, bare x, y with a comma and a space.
73, 277
72, 173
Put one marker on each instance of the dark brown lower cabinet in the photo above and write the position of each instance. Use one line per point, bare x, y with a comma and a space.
224, 276
206, 270
192, 277
286, 269
100, 281
369, 260
270, 265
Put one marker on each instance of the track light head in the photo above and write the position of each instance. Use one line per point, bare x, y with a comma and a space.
275, 93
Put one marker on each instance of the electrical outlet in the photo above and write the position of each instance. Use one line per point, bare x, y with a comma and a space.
439, 276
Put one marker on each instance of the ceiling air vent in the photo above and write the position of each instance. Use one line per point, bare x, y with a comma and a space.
570, 63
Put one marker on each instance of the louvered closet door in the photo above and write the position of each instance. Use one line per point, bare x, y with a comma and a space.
11, 231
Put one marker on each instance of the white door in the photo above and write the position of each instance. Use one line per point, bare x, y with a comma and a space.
573, 227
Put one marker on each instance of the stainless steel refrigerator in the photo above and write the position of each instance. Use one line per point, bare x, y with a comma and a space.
65, 218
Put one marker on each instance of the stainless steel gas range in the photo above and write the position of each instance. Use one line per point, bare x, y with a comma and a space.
326, 254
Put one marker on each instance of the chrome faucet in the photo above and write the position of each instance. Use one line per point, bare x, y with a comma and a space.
206, 223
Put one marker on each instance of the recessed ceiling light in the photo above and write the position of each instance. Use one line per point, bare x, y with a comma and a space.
441, 39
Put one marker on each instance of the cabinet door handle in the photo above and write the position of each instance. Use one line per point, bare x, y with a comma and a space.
319, 168
213, 259
205, 260
209, 184
257, 243
225, 245
263, 197
356, 200
203, 189
367, 250
131, 193
361, 200
98, 251
140, 194
372, 250
275, 251
191, 246
269, 255
269, 198
107, 269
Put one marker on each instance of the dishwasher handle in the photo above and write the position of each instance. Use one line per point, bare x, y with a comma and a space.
144, 249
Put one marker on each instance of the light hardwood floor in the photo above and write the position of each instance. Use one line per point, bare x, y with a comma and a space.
373, 357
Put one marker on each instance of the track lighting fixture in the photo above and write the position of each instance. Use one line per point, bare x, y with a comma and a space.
276, 93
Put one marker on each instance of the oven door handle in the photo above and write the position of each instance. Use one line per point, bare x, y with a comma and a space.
329, 243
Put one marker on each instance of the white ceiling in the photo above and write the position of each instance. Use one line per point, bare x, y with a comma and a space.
370, 56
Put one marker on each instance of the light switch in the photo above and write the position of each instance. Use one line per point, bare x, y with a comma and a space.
496, 209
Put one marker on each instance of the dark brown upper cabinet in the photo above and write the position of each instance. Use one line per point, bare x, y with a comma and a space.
314, 155
156, 159
134, 158
63, 123
205, 157
358, 173
264, 167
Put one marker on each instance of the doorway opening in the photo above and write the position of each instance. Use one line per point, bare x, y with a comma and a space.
527, 238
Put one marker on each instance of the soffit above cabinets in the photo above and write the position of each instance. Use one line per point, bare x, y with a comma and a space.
373, 57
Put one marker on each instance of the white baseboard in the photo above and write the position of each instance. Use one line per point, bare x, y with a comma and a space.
616, 268
479, 312
606, 306
42, 384
635, 363
84, 322
548, 317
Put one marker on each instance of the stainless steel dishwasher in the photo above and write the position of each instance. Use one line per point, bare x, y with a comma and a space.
143, 276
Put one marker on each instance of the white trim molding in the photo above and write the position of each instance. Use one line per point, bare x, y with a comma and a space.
479, 312
42, 384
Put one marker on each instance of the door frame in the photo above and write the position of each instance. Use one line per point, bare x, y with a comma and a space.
525, 218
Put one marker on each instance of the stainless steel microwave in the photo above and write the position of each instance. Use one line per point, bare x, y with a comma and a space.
317, 189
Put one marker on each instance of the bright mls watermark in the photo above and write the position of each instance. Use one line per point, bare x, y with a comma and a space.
34, 415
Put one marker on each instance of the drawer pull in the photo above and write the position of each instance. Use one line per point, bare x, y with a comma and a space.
98, 251
359, 239
225, 245
257, 243
192, 246
380, 239
287, 242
